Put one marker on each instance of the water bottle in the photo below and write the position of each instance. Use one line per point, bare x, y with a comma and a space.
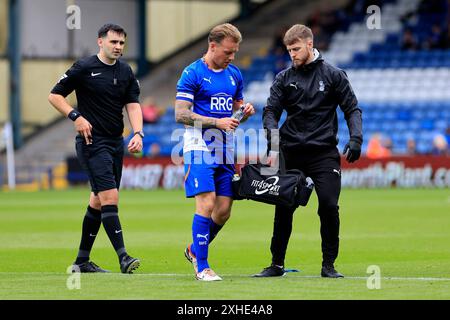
239, 114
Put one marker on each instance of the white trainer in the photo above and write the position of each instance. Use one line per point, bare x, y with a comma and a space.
207, 275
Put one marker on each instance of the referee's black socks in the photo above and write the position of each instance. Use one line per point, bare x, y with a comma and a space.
91, 224
111, 223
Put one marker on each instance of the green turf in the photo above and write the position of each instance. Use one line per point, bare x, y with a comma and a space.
404, 232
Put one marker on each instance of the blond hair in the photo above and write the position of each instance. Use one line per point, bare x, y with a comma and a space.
297, 32
222, 31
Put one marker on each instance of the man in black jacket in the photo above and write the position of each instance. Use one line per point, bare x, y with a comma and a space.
310, 91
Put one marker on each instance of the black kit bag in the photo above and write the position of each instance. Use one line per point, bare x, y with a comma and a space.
288, 188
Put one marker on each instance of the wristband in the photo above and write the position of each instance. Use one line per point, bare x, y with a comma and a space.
141, 133
73, 115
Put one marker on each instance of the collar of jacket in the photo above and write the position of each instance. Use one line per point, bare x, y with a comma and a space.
317, 59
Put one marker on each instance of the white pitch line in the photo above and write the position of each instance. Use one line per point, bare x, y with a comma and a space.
388, 278
225, 275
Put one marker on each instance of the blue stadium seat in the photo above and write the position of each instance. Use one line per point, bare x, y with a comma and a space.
414, 125
390, 115
427, 124
419, 114
401, 126
387, 126
404, 115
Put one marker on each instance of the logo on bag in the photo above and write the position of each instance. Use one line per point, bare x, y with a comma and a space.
269, 185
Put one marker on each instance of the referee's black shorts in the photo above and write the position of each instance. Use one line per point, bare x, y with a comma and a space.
102, 160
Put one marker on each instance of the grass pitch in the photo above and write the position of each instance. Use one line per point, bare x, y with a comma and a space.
403, 232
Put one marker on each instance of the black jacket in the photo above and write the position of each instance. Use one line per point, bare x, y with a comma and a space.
310, 94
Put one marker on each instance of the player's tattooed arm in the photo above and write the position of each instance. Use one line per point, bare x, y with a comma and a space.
184, 115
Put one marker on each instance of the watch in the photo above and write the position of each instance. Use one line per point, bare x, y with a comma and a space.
141, 133
73, 115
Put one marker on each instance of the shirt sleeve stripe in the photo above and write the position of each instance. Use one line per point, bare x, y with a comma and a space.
185, 95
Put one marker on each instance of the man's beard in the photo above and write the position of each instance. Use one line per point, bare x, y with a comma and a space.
300, 62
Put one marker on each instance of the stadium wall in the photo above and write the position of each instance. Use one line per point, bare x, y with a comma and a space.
45, 34
4, 90
38, 78
170, 25
182, 22
3, 26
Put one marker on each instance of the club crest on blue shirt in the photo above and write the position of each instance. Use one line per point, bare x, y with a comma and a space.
232, 81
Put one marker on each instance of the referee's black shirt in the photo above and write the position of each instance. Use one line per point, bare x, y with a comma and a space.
102, 91
310, 94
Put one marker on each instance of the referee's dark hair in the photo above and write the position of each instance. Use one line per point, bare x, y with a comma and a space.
111, 27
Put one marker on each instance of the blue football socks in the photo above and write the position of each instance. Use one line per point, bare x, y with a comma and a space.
200, 237
214, 229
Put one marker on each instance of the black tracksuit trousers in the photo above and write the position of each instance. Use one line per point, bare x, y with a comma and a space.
323, 166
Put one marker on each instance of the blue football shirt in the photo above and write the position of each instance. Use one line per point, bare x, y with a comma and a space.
212, 93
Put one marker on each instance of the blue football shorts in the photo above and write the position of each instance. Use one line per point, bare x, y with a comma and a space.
201, 176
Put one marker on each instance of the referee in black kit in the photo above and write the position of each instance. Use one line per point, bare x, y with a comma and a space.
104, 85
310, 92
